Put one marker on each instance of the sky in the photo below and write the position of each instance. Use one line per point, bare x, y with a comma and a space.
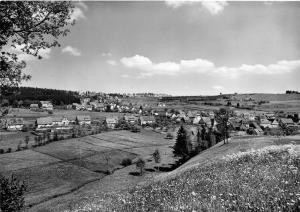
177, 48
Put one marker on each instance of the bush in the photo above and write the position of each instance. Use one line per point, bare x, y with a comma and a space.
11, 194
1, 151
126, 162
140, 164
8, 150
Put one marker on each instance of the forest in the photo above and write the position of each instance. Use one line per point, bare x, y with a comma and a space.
24, 96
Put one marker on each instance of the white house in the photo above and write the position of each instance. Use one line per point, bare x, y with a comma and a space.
15, 124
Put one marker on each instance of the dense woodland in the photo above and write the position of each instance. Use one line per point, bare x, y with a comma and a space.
24, 96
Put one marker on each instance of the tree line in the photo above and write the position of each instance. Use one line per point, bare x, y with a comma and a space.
24, 96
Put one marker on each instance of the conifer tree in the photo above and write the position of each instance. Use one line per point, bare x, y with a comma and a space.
180, 148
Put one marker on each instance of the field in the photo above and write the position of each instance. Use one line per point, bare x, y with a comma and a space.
223, 178
65, 166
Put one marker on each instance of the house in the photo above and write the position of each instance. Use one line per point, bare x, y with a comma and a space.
34, 107
286, 122
46, 105
77, 106
144, 120
265, 123
44, 122
15, 124
83, 119
131, 119
112, 122
60, 121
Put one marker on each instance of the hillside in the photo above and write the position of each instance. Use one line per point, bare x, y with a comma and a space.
265, 178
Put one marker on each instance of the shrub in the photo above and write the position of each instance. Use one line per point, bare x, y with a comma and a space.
11, 194
8, 150
156, 156
126, 162
1, 151
140, 164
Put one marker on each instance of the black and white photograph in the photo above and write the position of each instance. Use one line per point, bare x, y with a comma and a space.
124, 106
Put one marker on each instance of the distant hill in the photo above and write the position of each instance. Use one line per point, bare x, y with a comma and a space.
266, 97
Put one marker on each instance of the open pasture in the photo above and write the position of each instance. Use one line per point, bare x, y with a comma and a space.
64, 166
24, 159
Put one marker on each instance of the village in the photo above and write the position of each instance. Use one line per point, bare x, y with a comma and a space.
112, 113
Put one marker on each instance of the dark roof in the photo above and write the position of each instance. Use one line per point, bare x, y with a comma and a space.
287, 121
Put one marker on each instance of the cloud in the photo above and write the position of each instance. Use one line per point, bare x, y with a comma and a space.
77, 14
217, 87
44, 53
111, 62
202, 66
213, 7
71, 50
106, 54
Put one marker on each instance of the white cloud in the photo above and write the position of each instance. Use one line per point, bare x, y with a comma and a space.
106, 54
202, 66
77, 14
44, 53
217, 87
213, 7
111, 62
71, 50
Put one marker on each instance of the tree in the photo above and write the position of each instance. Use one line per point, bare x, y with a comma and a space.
28, 27
222, 117
140, 164
107, 158
27, 140
156, 156
11, 194
181, 146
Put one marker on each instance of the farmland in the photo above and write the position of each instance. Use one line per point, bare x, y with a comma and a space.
64, 166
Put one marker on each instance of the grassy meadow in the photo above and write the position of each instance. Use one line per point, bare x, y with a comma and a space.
266, 179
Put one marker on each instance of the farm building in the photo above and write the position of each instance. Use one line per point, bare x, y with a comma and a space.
265, 123
46, 105
60, 121
44, 122
34, 107
15, 124
83, 119
144, 120
131, 119
112, 122
285, 122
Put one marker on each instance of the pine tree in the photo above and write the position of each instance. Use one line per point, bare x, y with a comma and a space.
180, 148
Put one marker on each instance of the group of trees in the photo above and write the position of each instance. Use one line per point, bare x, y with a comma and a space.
291, 92
205, 138
24, 96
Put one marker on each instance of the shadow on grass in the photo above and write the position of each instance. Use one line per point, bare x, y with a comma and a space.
135, 173
150, 170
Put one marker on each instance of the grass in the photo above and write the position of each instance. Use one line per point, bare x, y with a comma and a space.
267, 179
64, 166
